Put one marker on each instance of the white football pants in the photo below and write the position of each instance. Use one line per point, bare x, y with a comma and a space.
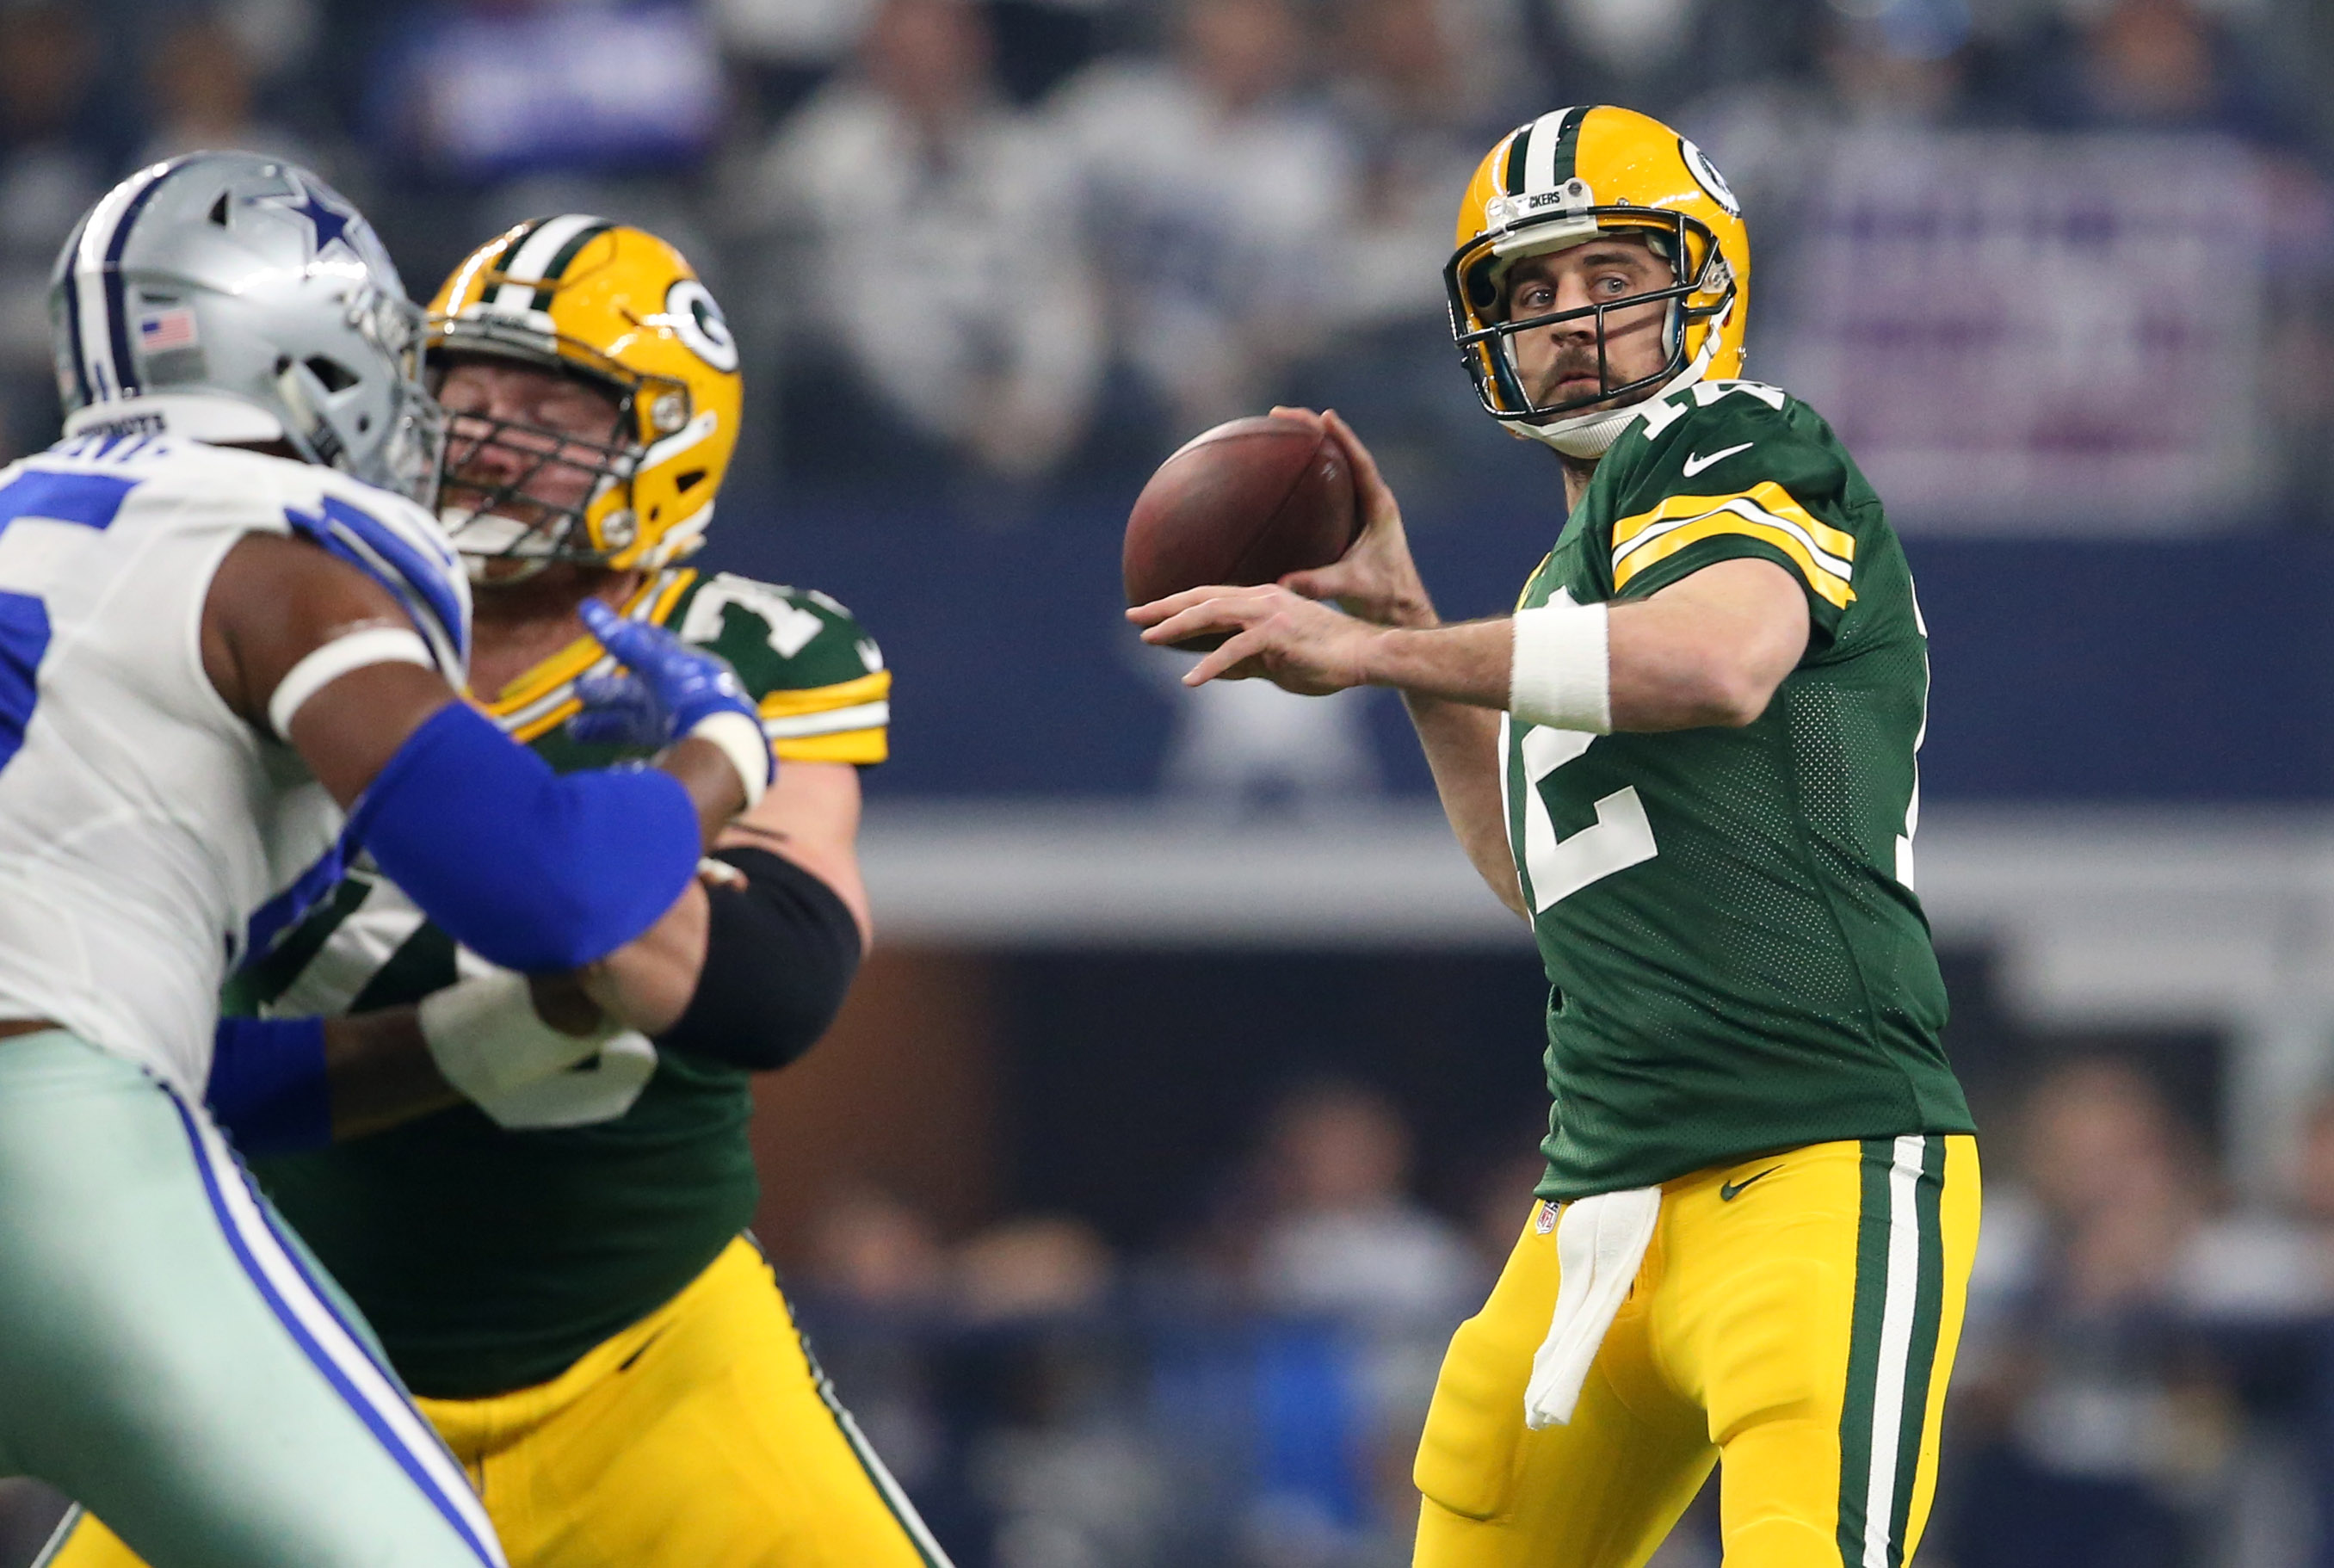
169, 1358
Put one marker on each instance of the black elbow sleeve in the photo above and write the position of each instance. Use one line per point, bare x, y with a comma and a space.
779, 955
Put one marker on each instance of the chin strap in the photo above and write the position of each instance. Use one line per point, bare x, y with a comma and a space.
1592, 435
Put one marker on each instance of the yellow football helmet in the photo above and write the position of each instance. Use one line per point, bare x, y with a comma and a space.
620, 308
1559, 182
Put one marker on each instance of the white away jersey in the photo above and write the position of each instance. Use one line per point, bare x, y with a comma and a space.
149, 836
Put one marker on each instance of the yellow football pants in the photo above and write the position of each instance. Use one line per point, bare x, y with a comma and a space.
1795, 1317
701, 1437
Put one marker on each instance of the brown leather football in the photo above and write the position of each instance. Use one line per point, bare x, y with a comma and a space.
1245, 503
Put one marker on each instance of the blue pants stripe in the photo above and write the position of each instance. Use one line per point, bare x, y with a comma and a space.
338, 1353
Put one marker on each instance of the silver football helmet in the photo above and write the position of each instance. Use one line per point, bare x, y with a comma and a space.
228, 297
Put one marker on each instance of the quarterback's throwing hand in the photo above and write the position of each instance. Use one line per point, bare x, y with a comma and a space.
1376, 579
1278, 636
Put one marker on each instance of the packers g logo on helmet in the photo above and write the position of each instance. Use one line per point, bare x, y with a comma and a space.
1558, 182
617, 307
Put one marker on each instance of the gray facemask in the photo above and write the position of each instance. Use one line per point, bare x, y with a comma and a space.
228, 297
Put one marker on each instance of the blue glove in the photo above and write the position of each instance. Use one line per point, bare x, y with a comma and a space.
670, 690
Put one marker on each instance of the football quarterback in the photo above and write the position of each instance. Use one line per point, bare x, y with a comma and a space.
1688, 760
560, 1272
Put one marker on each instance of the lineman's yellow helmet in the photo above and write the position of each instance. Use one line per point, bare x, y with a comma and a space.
1555, 183
621, 307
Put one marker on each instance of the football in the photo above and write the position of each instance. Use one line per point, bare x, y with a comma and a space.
1245, 503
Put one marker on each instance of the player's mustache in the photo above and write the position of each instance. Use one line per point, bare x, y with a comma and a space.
1567, 364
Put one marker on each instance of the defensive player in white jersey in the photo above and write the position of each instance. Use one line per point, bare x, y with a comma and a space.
227, 660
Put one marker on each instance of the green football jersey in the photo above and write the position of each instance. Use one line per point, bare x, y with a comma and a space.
489, 1260
1736, 957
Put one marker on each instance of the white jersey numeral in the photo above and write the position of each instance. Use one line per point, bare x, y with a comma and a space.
1620, 837
788, 627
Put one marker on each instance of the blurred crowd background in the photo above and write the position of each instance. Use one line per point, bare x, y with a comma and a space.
1135, 1245
1018, 248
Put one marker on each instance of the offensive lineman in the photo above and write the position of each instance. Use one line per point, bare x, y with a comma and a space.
217, 637
561, 1275
1687, 758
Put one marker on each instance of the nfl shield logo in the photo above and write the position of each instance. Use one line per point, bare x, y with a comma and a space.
1544, 1221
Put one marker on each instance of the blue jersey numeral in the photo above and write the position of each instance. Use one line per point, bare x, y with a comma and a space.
90, 500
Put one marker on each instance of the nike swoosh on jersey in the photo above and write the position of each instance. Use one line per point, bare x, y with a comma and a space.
1695, 463
1727, 1191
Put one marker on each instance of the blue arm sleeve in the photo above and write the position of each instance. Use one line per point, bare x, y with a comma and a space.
530, 869
268, 1086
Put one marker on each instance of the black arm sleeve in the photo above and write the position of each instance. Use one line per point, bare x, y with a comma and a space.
780, 955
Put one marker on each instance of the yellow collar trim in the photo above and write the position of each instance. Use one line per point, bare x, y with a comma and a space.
652, 602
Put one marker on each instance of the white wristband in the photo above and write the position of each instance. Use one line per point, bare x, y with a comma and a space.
744, 744
328, 662
1562, 671
488, 1039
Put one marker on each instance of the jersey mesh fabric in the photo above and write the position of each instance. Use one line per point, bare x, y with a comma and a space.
1762, 979
490, 1260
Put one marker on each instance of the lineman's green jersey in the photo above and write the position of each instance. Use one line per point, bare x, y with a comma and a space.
1736, 957
489, 1260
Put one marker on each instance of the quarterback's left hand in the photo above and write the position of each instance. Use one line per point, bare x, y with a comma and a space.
1277, 636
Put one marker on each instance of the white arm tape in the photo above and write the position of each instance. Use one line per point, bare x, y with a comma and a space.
1562, 673
488, 1039
747, 747
328, 663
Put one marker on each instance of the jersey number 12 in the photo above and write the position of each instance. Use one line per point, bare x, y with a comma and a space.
1620, 837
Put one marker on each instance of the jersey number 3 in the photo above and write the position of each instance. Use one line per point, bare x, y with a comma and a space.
42, 516
1620, 837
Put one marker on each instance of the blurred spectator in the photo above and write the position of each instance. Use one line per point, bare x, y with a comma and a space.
2153, 66
1347, 1238
872, 1276
945, 309
1347, 1243
801, 34
2091, 1429
781, 50
1032, 1267
871, 1251
1420, 105
53, 166
2277, 1261
202, 73
1214, 193
1421, 96
1068, 1471
1632, 51
1909, 67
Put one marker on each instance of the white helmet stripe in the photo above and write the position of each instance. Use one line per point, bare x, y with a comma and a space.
1539, 152
527, 267
105, 331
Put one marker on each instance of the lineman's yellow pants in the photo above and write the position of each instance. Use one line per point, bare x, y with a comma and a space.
701, 1437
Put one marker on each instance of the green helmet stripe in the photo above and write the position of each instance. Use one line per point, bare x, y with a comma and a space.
562, 260
509, 253
1565, 161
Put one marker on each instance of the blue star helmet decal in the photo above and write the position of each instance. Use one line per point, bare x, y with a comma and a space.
328, 223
